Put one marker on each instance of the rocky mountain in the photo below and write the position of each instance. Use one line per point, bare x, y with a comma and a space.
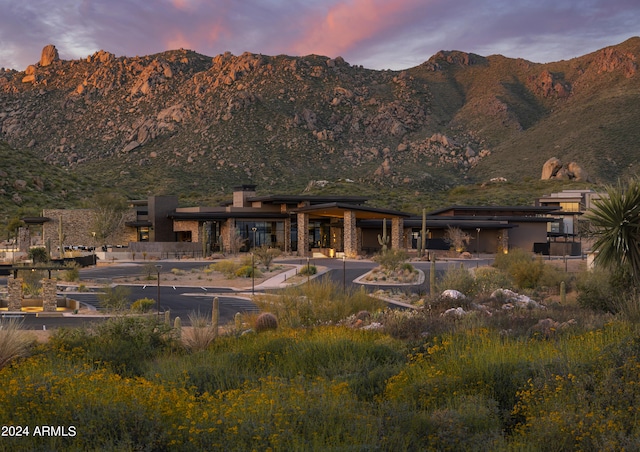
184, 123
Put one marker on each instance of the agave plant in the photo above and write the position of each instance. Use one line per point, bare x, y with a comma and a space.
615, 221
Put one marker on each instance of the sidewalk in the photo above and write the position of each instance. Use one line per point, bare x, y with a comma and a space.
280, 280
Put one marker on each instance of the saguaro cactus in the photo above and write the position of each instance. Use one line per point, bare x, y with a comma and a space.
215, 316
60, 236
423, 234
563, 292
383, 239
177, 326
432, 275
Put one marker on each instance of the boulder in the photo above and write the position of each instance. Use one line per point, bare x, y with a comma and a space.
453, 294
577, 172
550, 168
49, 55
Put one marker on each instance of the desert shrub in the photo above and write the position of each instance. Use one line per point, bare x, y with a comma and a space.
248, 271
551, 278
124, 344
407, 267
266, 321
31, 281
38, 255
150, 271
595, 290
457, 239
266, 255
308, 270
202, 333
319, 302
504, 261
226, 267
457, 278
143, 305
13, 341
527, 274
72, 272
391, 259
488, 279
177, 271
114, 298
628, 306
406, 325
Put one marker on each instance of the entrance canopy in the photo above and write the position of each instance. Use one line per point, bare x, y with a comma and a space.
338, 209
350, 214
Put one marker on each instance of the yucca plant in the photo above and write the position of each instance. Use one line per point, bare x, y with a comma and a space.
615, 221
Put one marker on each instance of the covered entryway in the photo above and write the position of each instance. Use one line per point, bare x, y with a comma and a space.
341, 226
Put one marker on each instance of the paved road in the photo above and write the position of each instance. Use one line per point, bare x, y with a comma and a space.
182, 301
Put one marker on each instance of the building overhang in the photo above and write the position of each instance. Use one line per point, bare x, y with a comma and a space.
138, 224
35, 220
224, 216
337, 210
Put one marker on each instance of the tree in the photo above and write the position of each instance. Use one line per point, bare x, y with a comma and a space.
615, 225
266, 255
108, 215
457, 238
12, 227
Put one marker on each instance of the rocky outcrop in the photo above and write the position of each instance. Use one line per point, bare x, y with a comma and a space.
551, 168
549, 84
49, 55
554, 169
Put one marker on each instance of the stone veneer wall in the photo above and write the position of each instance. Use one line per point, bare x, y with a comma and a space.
49, 301
186, 226
14, 294
76, 228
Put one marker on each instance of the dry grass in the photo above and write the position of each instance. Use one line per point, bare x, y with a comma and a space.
14, 342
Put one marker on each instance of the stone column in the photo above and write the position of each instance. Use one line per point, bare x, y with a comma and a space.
351, 246
228, 233
303, 234
14, 294
397, 228
287, 235
49, 301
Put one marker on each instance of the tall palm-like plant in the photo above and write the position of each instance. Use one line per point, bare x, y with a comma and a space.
615, 221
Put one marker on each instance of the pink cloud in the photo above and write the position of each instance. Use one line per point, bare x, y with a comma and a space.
348, 23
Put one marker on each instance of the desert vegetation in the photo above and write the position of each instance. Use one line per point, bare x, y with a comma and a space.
323, 369
478, 366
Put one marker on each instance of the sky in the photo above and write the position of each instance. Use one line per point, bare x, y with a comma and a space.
377, 34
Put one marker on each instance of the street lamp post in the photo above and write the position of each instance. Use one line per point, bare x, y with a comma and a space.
158, 268
254, 229
253, 274
308, 270
94, 248
478, 243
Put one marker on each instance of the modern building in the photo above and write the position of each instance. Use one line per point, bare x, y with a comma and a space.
567, 233
303, 225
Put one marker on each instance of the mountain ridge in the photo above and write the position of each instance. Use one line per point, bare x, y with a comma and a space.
179, 122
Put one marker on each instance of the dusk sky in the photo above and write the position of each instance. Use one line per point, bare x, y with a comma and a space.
378, 34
